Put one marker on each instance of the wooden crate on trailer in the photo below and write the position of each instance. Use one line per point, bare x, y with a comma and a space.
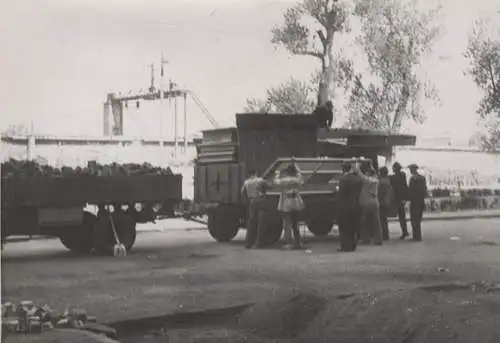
265, 138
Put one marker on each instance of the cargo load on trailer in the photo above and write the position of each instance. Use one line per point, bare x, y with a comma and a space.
80, 205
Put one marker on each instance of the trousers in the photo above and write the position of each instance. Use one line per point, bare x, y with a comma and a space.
291, 219
255, 222
349, 219
416, 213
384, 212
402, 217
370, 224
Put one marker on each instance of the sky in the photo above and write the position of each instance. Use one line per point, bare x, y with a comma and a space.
59, 59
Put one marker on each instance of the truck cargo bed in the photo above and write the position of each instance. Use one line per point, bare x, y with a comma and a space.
69, 191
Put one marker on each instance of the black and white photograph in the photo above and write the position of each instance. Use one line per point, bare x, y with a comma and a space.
276, 171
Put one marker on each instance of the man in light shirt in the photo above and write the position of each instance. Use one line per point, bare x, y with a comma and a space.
254, 191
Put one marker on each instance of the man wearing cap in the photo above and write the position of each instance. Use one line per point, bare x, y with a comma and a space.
417, 192
349, 209
253, 191
400, 188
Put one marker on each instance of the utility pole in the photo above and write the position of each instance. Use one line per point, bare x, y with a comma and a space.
185, 125
162, 95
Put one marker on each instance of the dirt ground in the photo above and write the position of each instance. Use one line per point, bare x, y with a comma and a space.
376, 294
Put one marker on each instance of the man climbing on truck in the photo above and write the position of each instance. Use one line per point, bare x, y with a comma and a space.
324, 115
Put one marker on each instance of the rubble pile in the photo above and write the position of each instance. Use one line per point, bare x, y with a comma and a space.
26, 317
20, 169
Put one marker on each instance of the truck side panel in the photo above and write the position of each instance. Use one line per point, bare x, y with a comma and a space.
70, 191
218, 182
265, 138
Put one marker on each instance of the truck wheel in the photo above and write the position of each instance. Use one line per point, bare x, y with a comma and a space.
320, 225
81, 239
273, 229
125, 225
223, 223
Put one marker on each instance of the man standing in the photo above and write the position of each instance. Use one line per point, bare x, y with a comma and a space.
324, 115
385, 196
368, 200
400, 188
254, 190
417, 194
348, 207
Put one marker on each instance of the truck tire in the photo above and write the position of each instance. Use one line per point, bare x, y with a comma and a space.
223, 223
273, 229
125, 225
320, 225
80, 240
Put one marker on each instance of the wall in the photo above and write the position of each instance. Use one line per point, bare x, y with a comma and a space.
451, 167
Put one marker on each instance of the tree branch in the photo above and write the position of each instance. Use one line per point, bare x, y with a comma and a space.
492, 78
308, 53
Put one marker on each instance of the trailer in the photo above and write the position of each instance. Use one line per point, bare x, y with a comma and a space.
265, 143
80, 210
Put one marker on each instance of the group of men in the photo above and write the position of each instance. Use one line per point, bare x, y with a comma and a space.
366, 198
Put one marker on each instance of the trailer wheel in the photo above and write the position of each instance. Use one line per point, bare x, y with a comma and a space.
320, 225
80, 240
125, 225
223, 223
273, 229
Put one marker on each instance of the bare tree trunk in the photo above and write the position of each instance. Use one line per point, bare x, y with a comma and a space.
326, 82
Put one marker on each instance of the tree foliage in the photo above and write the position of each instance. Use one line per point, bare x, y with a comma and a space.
16, 130
330, 17
291, 97
394, 37
483, 54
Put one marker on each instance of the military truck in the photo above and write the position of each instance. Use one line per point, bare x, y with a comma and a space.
264, 143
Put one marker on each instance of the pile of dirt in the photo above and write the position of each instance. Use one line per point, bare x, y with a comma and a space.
443, 314
282, 317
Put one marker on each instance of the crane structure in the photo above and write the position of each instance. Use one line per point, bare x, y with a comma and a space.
114, 105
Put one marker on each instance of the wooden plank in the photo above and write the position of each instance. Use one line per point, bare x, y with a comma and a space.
367, 138
275, 121
226, 135
236, 183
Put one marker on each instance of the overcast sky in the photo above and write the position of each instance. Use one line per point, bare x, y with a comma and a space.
59, 59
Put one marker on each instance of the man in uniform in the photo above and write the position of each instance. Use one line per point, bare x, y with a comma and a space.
349, 209
254, 191
324, 115
400, 188
417, 193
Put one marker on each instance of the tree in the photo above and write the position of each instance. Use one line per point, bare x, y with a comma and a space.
330, 17
290, 97
16, 130
394, 37
483, 54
